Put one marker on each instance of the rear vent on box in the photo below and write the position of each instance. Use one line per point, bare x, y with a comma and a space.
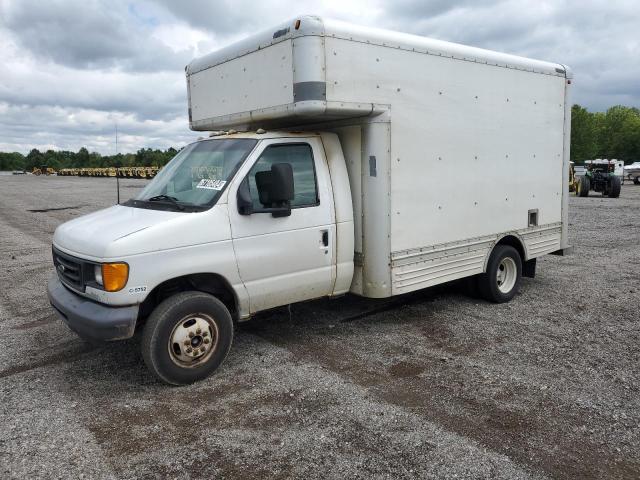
533, 218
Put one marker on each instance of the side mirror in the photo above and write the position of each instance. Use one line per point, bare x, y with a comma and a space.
275, 191
281, 189
245, 204
282, 183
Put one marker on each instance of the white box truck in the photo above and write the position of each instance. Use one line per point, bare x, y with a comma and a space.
340, 159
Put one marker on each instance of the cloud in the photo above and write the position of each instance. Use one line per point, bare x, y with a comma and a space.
90, 34
71, 68
145, 95
73, 128
597, 39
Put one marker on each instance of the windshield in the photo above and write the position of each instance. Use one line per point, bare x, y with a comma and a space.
195, 178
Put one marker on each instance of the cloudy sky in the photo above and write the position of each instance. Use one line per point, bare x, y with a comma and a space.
71, 69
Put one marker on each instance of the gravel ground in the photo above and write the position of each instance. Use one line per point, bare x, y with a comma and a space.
435, 384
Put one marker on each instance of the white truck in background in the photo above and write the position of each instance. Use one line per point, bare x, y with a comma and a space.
341, 159
632, 172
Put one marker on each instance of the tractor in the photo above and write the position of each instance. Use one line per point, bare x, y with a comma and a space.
599, 177
43, 170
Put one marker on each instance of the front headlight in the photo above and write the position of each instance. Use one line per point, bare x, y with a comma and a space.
112, 276
97, 274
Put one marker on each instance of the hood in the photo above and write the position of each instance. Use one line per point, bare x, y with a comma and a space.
91, 234
119, 231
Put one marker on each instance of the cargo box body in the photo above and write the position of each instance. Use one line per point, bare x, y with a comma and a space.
448, 148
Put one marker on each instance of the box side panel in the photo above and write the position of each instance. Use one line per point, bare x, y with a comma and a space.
376, 207
366, 147
258, 80
565, 168
473, 147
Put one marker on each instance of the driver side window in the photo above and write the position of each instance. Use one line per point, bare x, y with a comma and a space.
300, 156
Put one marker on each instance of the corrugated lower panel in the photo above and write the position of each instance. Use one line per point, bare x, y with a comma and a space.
541, 245
407, 278
428, 266
542, 240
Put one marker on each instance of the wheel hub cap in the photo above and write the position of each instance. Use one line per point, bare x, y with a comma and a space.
193, 340
506, 275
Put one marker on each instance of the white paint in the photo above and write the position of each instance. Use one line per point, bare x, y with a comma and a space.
339, 182
466, 141
428, 154
173, 244
258, 80
283, 260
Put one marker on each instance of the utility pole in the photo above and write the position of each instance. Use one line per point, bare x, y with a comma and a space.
117, 165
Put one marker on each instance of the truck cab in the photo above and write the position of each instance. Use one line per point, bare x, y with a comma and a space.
256, 219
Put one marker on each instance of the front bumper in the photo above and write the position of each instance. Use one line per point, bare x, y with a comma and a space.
90, 319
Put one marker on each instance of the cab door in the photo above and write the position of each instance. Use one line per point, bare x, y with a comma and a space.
283, 260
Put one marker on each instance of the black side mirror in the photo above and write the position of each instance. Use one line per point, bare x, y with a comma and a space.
275, 192
245, 204
281, 189
282, 183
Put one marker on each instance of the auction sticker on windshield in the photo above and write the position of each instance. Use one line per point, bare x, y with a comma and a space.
211, 184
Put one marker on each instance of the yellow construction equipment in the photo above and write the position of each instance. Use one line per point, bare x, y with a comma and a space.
43, 170
122, 172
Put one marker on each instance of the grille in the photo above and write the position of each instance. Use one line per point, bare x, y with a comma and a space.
69, 270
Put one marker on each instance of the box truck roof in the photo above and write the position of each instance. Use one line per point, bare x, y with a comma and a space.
262, 134
314, 70
310, 25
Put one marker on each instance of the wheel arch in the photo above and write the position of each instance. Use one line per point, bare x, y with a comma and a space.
211, 283
511, 239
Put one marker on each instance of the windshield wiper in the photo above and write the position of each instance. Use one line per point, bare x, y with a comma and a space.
160, 198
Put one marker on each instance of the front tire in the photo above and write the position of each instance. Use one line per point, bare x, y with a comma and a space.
501, 281
187, 337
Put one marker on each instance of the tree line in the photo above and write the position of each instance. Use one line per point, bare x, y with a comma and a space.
145, 157
611, 134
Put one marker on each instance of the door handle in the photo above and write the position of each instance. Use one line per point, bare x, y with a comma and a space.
325, 238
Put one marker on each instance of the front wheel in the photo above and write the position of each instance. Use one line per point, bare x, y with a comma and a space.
187, 337
502, 279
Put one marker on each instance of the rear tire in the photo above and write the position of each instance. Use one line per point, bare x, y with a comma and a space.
636, 181
583, 187
614, 187
187, 337
501, 281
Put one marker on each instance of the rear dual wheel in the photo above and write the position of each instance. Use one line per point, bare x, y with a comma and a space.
501, 280
187, 337
614, 186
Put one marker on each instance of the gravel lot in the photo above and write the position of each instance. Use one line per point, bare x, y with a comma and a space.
435, 384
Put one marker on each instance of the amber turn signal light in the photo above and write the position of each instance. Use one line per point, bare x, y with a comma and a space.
114, 276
